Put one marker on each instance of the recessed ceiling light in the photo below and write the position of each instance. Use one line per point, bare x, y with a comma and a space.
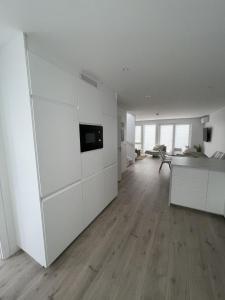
125, 69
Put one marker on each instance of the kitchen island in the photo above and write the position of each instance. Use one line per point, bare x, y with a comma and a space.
198, 183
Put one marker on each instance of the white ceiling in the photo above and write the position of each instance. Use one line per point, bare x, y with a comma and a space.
174, 50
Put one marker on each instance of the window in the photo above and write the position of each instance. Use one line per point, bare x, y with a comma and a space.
182, 136
166, 137
149, 136
138, 134
138, 140
174, 136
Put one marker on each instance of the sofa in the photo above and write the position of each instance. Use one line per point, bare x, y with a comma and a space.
155, 151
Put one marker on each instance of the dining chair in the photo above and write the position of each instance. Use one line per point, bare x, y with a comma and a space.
165, 159
218, 155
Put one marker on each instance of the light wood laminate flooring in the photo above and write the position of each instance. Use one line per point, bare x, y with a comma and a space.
138, 248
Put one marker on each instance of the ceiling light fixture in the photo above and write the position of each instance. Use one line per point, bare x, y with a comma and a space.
157, 114
125, 69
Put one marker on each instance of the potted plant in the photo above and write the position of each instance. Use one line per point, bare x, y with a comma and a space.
198, 148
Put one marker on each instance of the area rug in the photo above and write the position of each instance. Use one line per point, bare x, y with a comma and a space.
141, 157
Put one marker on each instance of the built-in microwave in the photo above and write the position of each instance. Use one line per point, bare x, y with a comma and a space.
91, 137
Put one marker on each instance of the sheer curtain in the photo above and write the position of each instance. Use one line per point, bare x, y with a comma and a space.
182, 136
138, 140
149, 137
173, 136
166, 137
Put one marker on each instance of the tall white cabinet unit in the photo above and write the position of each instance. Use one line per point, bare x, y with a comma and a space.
56, 191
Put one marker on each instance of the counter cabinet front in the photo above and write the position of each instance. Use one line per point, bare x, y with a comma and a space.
200, 189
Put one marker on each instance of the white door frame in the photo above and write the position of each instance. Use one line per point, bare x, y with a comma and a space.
4, 242
7, 230
4, 237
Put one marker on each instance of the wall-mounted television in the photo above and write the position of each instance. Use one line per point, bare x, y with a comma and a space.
207, 134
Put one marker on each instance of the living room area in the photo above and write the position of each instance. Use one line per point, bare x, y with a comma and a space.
182, 137
194, 151
171, 136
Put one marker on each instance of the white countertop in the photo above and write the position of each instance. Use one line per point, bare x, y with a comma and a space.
200, 163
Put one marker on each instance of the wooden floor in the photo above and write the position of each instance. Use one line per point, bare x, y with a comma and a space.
138, 248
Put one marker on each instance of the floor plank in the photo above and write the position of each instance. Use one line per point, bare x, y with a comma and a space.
138, 248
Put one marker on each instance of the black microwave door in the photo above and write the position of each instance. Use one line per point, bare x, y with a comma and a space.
91, 137
100, 137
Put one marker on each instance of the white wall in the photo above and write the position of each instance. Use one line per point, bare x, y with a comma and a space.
126, 148
196, 137
217, 122
17, 128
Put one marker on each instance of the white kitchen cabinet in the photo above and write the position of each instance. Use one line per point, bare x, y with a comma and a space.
109, 102
198, 183
55, 192
93, 197
110, 183
92, 162
58, 146
63, 216
89, 104
16, 121
49, 81
216, 193
189, 187
110, 140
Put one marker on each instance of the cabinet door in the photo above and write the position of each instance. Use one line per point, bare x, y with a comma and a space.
92, 162
50, 81
110, 140
216, 193
58, 145
93, 197
189, 187
89, 104
110, 183
63, 220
